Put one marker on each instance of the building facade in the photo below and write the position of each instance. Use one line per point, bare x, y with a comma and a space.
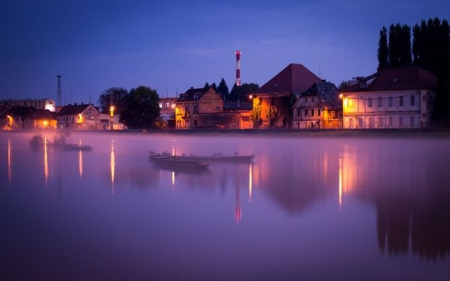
273, 102
47, 104
318, 107
79, 117
391, 98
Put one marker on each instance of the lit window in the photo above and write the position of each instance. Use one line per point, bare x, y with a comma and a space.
160, 105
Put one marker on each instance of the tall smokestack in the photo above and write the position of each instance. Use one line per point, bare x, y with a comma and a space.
58, 91
238, 68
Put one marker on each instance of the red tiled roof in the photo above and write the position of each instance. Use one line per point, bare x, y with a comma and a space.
403, 78
295, 78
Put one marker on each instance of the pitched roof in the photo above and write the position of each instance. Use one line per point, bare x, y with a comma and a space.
295, 78
192, 94
73, 109
402, 78
327, 93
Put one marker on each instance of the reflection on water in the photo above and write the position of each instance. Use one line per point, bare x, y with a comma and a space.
112, 164
311, 203
9, 156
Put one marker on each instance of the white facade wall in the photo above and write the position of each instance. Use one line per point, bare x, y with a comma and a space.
387, 109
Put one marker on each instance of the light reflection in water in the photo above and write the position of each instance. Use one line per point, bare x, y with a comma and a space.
112, 164
80, 163
9, 161
46, 161
340, 182
173, 179
250, 182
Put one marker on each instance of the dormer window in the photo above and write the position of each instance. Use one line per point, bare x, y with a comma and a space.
362, 84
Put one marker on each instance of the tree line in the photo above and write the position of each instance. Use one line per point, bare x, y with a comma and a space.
429, 49
139, 107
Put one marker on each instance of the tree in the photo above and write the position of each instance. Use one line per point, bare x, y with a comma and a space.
117, 94
241, 92
399, 51
255, 116
141, 108
273, 114
383, 50
223, 89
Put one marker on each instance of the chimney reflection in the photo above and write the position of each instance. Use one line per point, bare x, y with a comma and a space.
9, 161
112, 164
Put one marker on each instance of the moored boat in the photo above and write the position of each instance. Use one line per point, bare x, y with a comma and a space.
217, 157
178, 162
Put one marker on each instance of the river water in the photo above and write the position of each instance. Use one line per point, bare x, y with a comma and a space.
306, 208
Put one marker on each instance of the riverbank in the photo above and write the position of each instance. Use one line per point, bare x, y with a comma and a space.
389, 133
301, 133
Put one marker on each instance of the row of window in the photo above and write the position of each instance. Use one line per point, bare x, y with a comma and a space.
402, 122
390, 101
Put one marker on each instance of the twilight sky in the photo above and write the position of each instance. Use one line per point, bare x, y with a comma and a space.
171, 45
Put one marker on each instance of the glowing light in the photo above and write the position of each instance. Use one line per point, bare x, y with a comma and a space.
173, 180
173, 105
45, 161
340, 183
112, 164
250, 182
45, 122
80, 163
9, 162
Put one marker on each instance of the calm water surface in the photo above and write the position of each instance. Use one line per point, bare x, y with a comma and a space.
307, 208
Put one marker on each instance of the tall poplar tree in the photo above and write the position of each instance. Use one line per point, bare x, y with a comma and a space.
383, 50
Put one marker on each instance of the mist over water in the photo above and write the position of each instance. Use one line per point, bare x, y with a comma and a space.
306, 208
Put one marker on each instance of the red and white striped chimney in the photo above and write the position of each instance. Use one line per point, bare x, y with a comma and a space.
238, 68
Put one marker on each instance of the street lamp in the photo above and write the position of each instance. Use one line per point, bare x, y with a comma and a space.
10, 121
111, 117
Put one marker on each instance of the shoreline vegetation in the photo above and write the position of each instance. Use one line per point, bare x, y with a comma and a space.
429, 132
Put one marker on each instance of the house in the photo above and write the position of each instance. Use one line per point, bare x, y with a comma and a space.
318, 107
272, 103
198, 107
27, 118
167, 110
48, 104
390, 98
238, 114
79, 117
105, 120
204, 108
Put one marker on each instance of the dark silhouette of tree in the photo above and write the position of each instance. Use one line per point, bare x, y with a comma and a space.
241, 92
383, 51
399, 51
141, 108
117, 94
430, 49
223, 89
206, 85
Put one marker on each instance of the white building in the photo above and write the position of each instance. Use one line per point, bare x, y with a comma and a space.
391, 98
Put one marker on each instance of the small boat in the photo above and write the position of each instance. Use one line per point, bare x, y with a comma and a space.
218, 157
168, 161
77, 147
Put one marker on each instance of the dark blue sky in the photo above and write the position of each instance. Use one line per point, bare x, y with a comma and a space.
173, 45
